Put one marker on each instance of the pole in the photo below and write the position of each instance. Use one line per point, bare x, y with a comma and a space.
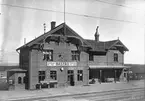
100, 76
64, 20
115, 77
24, 41
64, 11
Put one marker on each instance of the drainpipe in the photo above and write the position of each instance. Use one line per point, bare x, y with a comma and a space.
107, 58
115, 76
100, 76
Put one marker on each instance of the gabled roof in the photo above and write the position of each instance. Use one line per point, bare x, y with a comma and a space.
94, 45
103, 46
69, 33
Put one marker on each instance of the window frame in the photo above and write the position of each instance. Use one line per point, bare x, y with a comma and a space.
91, 57
75, 55
115, 57
19, 80
41, 75
48, 55
53, 74
80, 75
69, 74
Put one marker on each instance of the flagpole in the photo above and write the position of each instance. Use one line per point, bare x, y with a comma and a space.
64, 20
64, 11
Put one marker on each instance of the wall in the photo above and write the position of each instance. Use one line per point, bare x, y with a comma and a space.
37, 63
3, 74
17, 85
24, 58
33, 69
108, 59
99, 60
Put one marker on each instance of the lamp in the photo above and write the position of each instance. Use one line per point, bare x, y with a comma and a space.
61, 69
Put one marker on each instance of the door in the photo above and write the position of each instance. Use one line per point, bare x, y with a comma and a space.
70, 78
125, 76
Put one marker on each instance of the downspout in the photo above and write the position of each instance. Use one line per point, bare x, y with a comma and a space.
123, 58
107, 58
106, 53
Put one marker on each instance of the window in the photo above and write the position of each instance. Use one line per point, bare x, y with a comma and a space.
24, 79
91, 57
115, 57
75, 55
80, 75
41, 76
124, 74
1, 75
53, 75
19, 80
48, 55
70, 74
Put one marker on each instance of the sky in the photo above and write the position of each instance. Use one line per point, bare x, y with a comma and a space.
123, 19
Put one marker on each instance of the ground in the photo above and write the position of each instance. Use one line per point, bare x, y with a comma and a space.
26, 94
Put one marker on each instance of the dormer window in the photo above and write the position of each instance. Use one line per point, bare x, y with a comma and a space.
115, 57
48, 55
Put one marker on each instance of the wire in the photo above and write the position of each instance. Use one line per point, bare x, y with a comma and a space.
88, 16
119, 5
40, 9
103, 18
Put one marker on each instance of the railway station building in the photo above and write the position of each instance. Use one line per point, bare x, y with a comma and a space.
61, 57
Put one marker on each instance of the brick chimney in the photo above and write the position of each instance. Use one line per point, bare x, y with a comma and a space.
97, 34
53, 25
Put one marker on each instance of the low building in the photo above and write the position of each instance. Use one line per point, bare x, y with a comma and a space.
3, 75
4, 68
136, 72
61, 57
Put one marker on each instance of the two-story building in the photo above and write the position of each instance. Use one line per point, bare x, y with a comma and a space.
106, 60
63, 58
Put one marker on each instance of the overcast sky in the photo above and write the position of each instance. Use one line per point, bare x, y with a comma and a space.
116, 18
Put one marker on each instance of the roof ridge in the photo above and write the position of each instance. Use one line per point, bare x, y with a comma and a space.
40, 36
102, 41
50, 32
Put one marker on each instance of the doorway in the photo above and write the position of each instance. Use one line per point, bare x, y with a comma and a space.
70, 78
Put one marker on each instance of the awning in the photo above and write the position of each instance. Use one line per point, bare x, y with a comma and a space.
108, 66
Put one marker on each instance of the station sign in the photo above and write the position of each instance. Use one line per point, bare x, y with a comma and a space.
61, 63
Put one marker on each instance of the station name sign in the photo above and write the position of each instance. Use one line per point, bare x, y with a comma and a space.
61, 63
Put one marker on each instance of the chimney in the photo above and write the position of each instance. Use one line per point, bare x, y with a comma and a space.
24, 41
53, 25
97, 34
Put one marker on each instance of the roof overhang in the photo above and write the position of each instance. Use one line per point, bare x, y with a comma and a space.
121, 45
50, 34
41, 37
107, 66
17, 70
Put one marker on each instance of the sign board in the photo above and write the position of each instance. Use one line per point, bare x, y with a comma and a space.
61, 63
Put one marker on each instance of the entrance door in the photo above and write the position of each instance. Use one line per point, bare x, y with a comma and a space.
70, 78
125, 76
